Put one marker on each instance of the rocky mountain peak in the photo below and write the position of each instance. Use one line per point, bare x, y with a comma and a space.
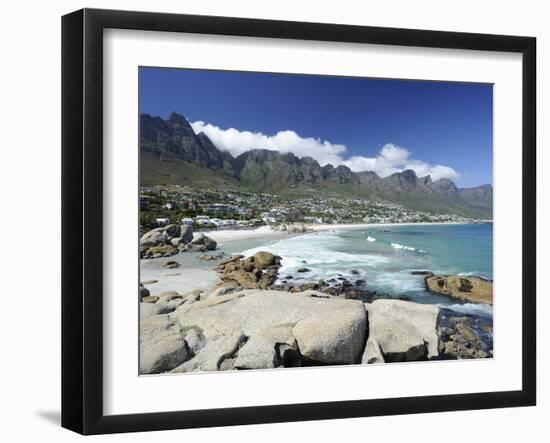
403, 181
409, 176
178, 119
426, 181
445, 185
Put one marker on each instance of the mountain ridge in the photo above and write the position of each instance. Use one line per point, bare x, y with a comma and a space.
172, 153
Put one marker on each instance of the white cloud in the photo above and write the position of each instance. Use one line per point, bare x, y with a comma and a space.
390, 159
236, 142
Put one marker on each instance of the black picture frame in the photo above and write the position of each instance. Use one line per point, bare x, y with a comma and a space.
82, 215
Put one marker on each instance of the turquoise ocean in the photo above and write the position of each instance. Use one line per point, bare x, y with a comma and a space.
386, 256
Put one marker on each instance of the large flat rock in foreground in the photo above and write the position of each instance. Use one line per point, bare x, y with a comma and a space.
401, 331
255, 329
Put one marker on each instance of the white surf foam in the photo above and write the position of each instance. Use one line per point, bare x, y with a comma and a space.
482, 275
371, 239
399, 246
471, 308
319, 254
396, 283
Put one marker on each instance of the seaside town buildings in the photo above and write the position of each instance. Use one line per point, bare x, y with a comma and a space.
215, 208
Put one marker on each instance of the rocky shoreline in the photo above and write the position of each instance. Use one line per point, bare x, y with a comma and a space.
256, 319
169, 240
261, 271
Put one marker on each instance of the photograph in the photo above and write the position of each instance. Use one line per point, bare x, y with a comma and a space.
313, 205
291, 220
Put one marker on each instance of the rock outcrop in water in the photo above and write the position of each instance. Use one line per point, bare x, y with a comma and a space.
261, 271
470, 289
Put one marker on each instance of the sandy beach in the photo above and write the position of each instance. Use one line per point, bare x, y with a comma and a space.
265, 232
192, 273
227, 235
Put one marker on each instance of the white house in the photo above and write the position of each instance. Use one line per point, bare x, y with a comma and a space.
162, 221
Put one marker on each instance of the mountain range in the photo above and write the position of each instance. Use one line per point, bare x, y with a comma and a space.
172, 153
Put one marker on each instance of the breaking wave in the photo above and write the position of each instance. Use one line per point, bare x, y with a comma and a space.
471, 308
321, 257
400, 246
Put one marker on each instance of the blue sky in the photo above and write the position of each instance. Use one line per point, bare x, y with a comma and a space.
377, 124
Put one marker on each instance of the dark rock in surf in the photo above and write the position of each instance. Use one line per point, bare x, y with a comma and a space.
425, 273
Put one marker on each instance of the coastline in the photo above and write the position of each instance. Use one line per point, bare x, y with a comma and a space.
194, 273
265, 232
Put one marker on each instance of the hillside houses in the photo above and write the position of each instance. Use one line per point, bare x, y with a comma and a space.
217, 208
